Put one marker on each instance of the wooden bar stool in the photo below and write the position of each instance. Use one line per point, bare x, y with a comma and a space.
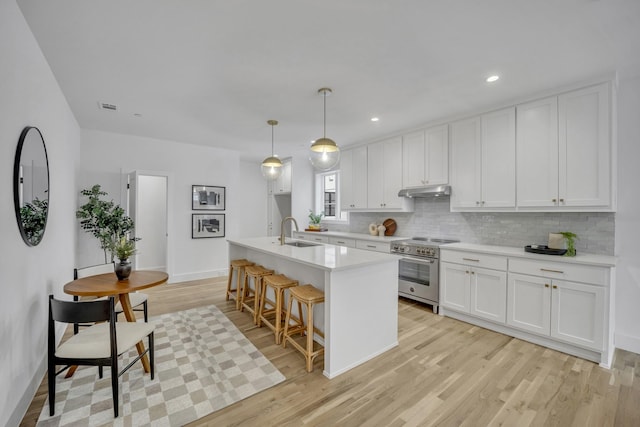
309, 296
238, 266
268, 308
250, 297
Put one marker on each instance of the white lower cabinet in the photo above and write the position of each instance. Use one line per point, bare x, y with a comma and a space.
568, 311
561, 304
373, 246
341, 241
310, 237
480, 292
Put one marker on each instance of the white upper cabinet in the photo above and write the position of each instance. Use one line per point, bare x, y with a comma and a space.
465, 163
353, 178
384, 171
425, 157
282, 185
584, 147
564, 151
483, 161
537, 148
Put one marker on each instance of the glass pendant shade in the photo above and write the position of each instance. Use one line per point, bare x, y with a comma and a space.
272, 166
325, 153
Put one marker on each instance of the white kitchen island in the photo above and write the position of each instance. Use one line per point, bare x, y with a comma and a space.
359, 317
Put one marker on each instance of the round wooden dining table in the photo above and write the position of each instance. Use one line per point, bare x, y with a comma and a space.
108, 284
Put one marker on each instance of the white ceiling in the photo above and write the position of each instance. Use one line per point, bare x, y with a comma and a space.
212, 72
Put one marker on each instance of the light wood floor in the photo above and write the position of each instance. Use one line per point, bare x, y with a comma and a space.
444, 372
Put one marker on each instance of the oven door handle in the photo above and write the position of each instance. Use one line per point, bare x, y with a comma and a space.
420, 260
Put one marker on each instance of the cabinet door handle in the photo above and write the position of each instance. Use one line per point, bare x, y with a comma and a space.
561, 200
371, 246
473, 272
552, 271
555, 287
554, 200
467, 272
470, 259
546, 285
477, 203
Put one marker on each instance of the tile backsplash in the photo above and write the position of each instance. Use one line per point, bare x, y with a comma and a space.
432, 217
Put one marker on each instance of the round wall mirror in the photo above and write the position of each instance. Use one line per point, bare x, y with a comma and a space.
31, 185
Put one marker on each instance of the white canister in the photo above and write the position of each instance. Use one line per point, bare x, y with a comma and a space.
373, 229
381, 230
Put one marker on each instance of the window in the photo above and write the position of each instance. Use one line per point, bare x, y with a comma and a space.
328, 196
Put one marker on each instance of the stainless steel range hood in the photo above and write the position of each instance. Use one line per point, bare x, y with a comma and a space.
425, 192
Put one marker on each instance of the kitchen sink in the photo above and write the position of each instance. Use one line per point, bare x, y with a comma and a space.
302, 244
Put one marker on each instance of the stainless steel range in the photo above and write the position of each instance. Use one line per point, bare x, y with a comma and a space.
419, 268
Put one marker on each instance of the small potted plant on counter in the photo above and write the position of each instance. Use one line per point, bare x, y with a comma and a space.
314, 220
570, 239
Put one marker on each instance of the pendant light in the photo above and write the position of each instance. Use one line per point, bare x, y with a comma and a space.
325, 154
272, 166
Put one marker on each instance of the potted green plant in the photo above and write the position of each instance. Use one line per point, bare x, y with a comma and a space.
314, 220
104, 219
123, 249
570, 239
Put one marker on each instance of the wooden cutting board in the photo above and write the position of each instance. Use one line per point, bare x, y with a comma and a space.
390, 226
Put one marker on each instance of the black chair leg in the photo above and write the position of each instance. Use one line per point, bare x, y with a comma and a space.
146, 314
76, 327
114, 387
151, 354
100, 371
51, 379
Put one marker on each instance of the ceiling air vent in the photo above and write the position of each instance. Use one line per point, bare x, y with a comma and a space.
106, 106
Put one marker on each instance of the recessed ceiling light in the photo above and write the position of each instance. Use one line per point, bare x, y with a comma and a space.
374, 119
492, 79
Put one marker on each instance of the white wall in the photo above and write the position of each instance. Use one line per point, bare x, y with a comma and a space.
30, 96
106, 156
627, 330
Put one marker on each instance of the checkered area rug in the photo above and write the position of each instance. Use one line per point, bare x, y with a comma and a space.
203, 363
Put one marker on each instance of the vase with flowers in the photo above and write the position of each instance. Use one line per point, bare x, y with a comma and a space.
124, 248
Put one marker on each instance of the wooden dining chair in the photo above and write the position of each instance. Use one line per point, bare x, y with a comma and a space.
137, 298
98, 345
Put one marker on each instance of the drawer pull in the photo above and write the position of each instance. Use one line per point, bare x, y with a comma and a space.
371, 246
471, 259
552, 271
340, 241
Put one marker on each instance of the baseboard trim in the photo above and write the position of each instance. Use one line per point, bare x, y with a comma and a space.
199, 275
22, 407
627, 342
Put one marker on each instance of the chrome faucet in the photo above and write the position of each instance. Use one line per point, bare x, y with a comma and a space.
282, 227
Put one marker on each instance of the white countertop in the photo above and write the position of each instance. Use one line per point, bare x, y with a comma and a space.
324, 256
357, 236
588, 259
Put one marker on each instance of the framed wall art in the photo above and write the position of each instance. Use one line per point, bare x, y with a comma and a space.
207, 225
207, 198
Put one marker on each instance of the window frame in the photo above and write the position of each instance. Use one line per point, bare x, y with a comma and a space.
341, 217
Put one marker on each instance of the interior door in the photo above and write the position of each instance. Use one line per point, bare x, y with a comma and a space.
148, 207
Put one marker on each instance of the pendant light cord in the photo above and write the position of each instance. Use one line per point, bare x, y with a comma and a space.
271, 140
324, 131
